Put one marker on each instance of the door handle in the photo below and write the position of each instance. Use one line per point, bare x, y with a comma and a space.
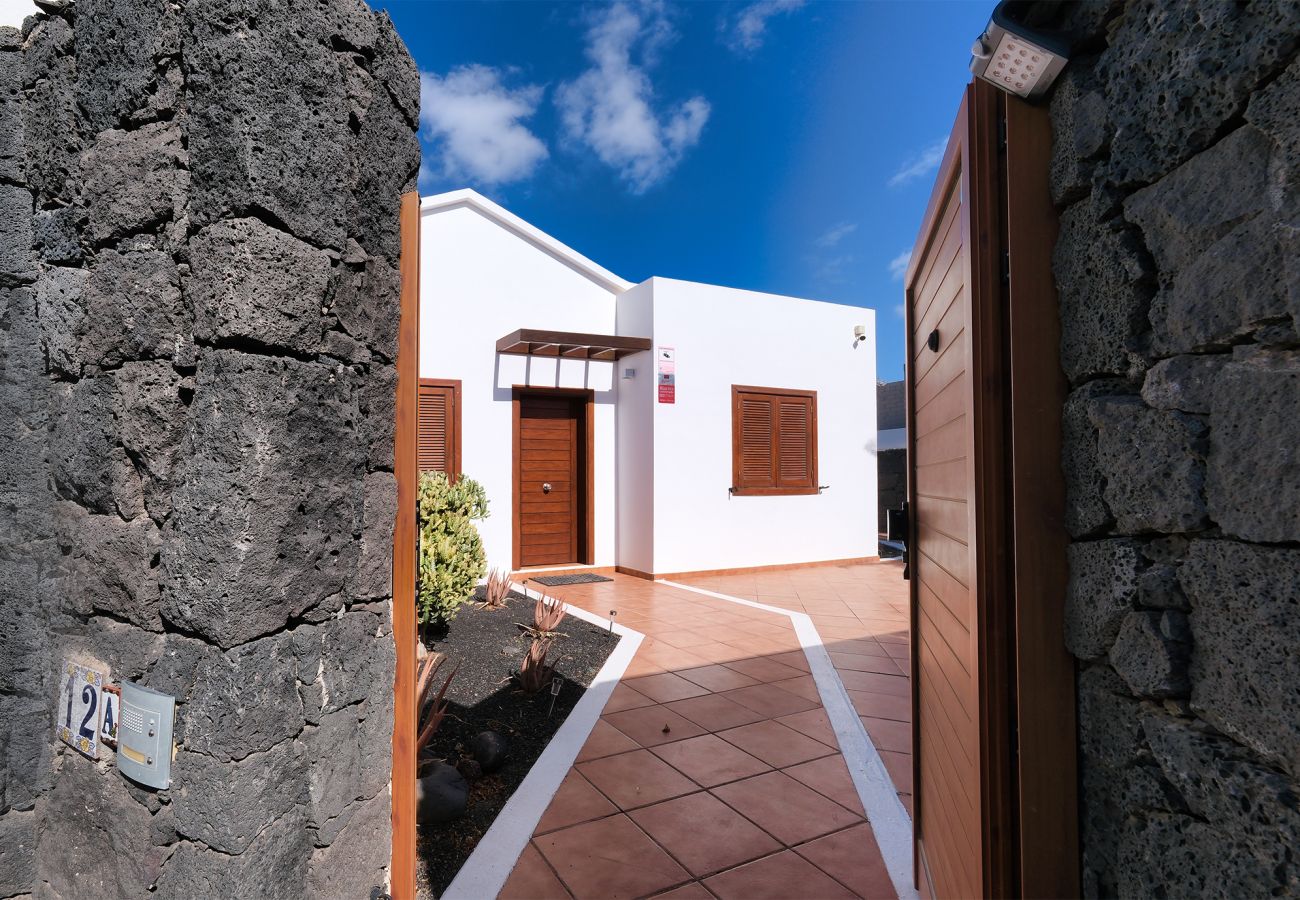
546, 487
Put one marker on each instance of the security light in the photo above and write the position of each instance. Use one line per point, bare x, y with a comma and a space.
1013, 56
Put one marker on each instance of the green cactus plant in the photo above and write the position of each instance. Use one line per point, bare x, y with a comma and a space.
451, 552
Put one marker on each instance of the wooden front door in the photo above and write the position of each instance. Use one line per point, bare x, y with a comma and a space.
993, 753
550, 479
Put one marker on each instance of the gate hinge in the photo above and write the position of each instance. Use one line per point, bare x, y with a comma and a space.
1006, 266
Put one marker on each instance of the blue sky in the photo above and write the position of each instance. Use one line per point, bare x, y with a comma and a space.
777, 145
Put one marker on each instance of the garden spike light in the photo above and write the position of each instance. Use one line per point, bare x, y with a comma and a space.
1014, 57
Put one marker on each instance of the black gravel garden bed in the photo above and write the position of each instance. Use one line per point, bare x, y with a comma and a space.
488, 646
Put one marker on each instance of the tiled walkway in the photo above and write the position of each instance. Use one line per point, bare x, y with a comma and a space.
713, 771
861, 614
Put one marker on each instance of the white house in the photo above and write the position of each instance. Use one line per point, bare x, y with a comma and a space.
659, 428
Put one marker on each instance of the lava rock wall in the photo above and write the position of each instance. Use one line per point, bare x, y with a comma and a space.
1176, 168
198, 328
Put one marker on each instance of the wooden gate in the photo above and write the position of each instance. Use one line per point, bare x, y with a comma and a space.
993, 723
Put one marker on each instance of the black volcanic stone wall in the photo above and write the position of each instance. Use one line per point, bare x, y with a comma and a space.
1177, 170
198, 325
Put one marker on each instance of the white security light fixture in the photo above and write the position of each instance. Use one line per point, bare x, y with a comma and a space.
859, 335
1017, 58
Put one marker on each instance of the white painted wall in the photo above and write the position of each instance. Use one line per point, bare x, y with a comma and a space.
723, 337
662, 471
12, 12
636, 477
478, 282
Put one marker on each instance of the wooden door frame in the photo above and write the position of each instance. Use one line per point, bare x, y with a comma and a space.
587, 474
1045, 672
1024, 677
401, 871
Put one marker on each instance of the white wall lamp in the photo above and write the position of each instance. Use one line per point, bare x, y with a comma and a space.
1015, 57
859, 335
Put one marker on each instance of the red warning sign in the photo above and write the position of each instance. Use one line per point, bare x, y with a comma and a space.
667, 360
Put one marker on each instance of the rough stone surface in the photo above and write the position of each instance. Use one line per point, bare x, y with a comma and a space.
1176, 160
107, 576
61, 313
1240, 807
1085, 508
1080, 132
1101, 590
127, 61
275, 865
239, 800
109, 852
1110, 745
16, 257
282, 464
11, 117
134, 180
133, 309
1103, 280
357, 312
250, 703
1210, 229
1183, 382
1154, 465
55, 233
254, 282
198, 311
269, 114
1175, 73
1158, 588
357, 860
1150, 653
51, 130
440, 795
18, 835
491, 750
1246, 623
1253, 471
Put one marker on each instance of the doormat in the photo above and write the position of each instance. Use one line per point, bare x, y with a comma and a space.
556, 580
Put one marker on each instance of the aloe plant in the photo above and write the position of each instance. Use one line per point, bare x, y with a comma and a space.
534, 672
498, 588
432, 710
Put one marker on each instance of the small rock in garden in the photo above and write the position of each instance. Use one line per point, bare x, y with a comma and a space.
441, 795
470, 769
490, 750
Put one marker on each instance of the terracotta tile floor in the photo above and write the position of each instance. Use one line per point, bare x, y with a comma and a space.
861, 614
714, 772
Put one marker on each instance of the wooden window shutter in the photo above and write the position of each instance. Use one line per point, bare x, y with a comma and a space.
755, 470
774, 441
795, 443
439, 426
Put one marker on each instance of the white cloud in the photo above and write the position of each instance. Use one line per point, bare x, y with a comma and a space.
901, 311
744, 32
835, 234
610, 107
898, 265
919, 164
833, 269
477, 123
